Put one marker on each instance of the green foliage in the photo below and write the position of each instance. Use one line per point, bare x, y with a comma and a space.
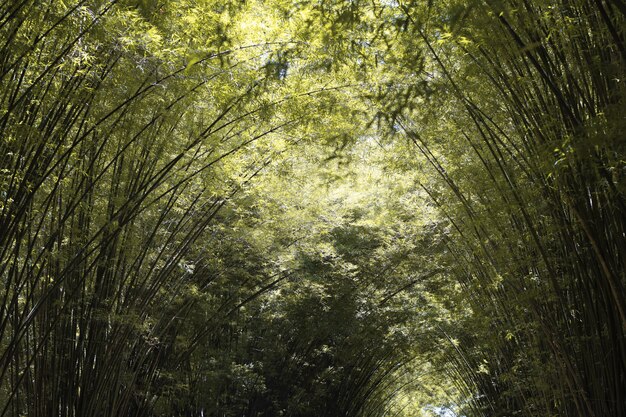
312, 208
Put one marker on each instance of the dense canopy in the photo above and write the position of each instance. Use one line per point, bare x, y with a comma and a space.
312, 208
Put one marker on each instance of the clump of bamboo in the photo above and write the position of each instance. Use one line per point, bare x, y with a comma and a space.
540, 240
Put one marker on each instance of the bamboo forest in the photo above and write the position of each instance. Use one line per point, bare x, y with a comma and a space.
312, 208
